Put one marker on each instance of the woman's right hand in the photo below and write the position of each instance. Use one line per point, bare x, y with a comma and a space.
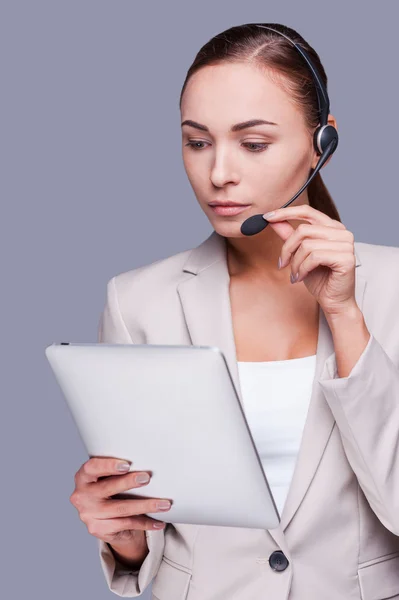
111, 520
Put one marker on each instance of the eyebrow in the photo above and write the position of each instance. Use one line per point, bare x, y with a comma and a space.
236, 127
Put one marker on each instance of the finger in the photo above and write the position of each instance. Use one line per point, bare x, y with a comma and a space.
308, 246
339, 261
283, 229
97, 466
111, 509
304, 232
88, 493
118, 483
305, 212
110, 528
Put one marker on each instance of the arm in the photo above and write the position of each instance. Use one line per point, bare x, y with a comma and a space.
365, 405
121, 579
131, 556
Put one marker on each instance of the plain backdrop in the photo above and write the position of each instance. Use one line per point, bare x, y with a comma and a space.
93, 184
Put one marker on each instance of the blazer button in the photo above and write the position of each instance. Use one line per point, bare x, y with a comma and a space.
278, 561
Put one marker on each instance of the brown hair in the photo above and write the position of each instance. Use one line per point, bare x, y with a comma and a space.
269, 50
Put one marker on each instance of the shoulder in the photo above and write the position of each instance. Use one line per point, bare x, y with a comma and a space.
373, 254
158, 273
379, 263
137, 290
380, 269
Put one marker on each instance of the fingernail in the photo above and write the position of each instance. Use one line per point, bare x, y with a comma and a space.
123, 466
163, 504
142, 478
279, 262
269, 214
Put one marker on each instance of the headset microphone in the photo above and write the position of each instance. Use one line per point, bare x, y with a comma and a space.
325, 139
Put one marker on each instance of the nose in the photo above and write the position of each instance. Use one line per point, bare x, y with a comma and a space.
223, 169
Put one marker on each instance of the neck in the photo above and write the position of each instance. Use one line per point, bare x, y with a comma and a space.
257, 255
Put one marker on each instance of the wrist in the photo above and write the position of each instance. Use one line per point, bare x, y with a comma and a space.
349, 313
131, 554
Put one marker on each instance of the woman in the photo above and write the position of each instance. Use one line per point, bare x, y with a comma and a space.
298, 302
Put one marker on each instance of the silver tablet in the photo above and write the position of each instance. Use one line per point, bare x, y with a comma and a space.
174, 412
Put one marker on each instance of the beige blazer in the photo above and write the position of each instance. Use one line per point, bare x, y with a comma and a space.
339, 530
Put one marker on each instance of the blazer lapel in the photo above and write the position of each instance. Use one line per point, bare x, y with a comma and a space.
206, 305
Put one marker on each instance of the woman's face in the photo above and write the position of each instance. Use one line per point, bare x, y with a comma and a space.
263, 165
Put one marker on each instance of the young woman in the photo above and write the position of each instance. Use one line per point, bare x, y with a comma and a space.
299, 310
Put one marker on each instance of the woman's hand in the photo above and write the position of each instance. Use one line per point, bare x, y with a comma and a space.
116, 521
321, 252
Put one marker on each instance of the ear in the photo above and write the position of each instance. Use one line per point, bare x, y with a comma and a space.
330, 121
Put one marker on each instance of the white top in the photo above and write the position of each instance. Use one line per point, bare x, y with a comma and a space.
276, 397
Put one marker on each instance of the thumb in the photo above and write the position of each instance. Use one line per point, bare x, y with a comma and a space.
282, 228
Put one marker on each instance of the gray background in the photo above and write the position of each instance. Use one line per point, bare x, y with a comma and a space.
91, 150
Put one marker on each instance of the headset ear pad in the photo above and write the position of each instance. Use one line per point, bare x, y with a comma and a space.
323, 136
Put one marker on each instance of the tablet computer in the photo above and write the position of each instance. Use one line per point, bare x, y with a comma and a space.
172, 411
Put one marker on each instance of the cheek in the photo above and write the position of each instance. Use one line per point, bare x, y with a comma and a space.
197, 170
286, 166
195, 174
191, 165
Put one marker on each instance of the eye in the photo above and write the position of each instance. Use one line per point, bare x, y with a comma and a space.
260, 147
193, 143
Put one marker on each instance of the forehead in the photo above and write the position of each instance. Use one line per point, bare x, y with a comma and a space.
221, 95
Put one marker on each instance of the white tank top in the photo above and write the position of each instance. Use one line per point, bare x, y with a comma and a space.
276, 397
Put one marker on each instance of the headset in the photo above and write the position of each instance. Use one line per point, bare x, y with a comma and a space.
325, 138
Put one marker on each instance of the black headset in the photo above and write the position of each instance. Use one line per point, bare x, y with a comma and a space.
325, 138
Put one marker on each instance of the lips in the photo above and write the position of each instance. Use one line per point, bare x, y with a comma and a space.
229, 211
234, 204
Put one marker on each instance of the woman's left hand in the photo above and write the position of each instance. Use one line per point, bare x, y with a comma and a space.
321, 252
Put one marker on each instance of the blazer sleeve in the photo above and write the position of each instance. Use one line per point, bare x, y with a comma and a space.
365, 405
121, 580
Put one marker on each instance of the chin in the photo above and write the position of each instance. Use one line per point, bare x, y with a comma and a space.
227, 227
